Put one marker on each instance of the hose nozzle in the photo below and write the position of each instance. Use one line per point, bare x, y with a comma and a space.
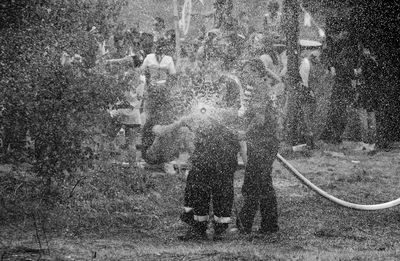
203, 110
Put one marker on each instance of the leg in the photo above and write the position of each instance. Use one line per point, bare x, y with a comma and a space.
112, 129
223, 195
268, 202
250, 191
196, 206
265, 153
147, 137
308, 115
371, 127
291, 120
331, 133
382, 123
363, 116
131, 136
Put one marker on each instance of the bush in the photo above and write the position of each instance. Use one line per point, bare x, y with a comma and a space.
59, 107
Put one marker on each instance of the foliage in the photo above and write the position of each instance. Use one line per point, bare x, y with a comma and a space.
64, 15
60, 107
101, 199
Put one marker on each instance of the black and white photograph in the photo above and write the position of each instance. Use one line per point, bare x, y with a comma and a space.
199, 130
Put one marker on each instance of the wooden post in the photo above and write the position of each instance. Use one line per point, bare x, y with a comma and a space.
177, 34
291, 29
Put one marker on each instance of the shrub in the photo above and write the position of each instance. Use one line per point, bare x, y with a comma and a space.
60, 107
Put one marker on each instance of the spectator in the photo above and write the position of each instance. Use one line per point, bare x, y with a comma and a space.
159, 69
101, 43
127, 115
146, 43
275, 63
119, 41
342, 63
307, 93
158, 29
133, 40
244, 27
369, 79
273, 19
171, 43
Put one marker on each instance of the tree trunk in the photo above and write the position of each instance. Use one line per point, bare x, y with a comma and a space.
291, 29
177, 34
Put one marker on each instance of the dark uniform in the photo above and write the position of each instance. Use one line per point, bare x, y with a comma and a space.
214, 163
214, 160
262, 148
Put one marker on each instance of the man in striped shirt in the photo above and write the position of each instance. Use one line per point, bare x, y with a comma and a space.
259, 117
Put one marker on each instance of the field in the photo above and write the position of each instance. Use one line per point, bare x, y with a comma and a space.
140, 222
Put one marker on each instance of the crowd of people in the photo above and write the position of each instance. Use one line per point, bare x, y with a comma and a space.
241, 72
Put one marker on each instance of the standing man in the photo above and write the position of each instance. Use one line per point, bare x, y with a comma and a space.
259, 116
214, 160
307, 93
273, 19
159, 70
342, 61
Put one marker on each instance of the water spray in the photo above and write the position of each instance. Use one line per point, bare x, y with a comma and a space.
203, 110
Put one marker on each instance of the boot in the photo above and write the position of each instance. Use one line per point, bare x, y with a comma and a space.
188, 218
270, 233
243, 229
219, 229
268, 230
195, 232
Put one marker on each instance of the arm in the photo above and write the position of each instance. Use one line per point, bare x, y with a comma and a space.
284, 64
143, 69
304, 71
273, 75
171, 67
145, 64
268, 63
120, 60
243, 151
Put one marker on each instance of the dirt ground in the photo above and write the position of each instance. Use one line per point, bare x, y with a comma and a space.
312, 228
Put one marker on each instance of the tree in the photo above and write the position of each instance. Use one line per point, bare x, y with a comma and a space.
291, 28
60, 106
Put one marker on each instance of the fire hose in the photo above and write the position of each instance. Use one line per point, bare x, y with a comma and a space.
321, 192
324, 194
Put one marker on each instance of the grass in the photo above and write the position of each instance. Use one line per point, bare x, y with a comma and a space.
122, 214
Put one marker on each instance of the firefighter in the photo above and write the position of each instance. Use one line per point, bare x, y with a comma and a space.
210, 179
259, 117
214, 160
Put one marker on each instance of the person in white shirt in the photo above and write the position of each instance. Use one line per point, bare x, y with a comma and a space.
274, 59
159, 70
273, 19
307, 91
128, 115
